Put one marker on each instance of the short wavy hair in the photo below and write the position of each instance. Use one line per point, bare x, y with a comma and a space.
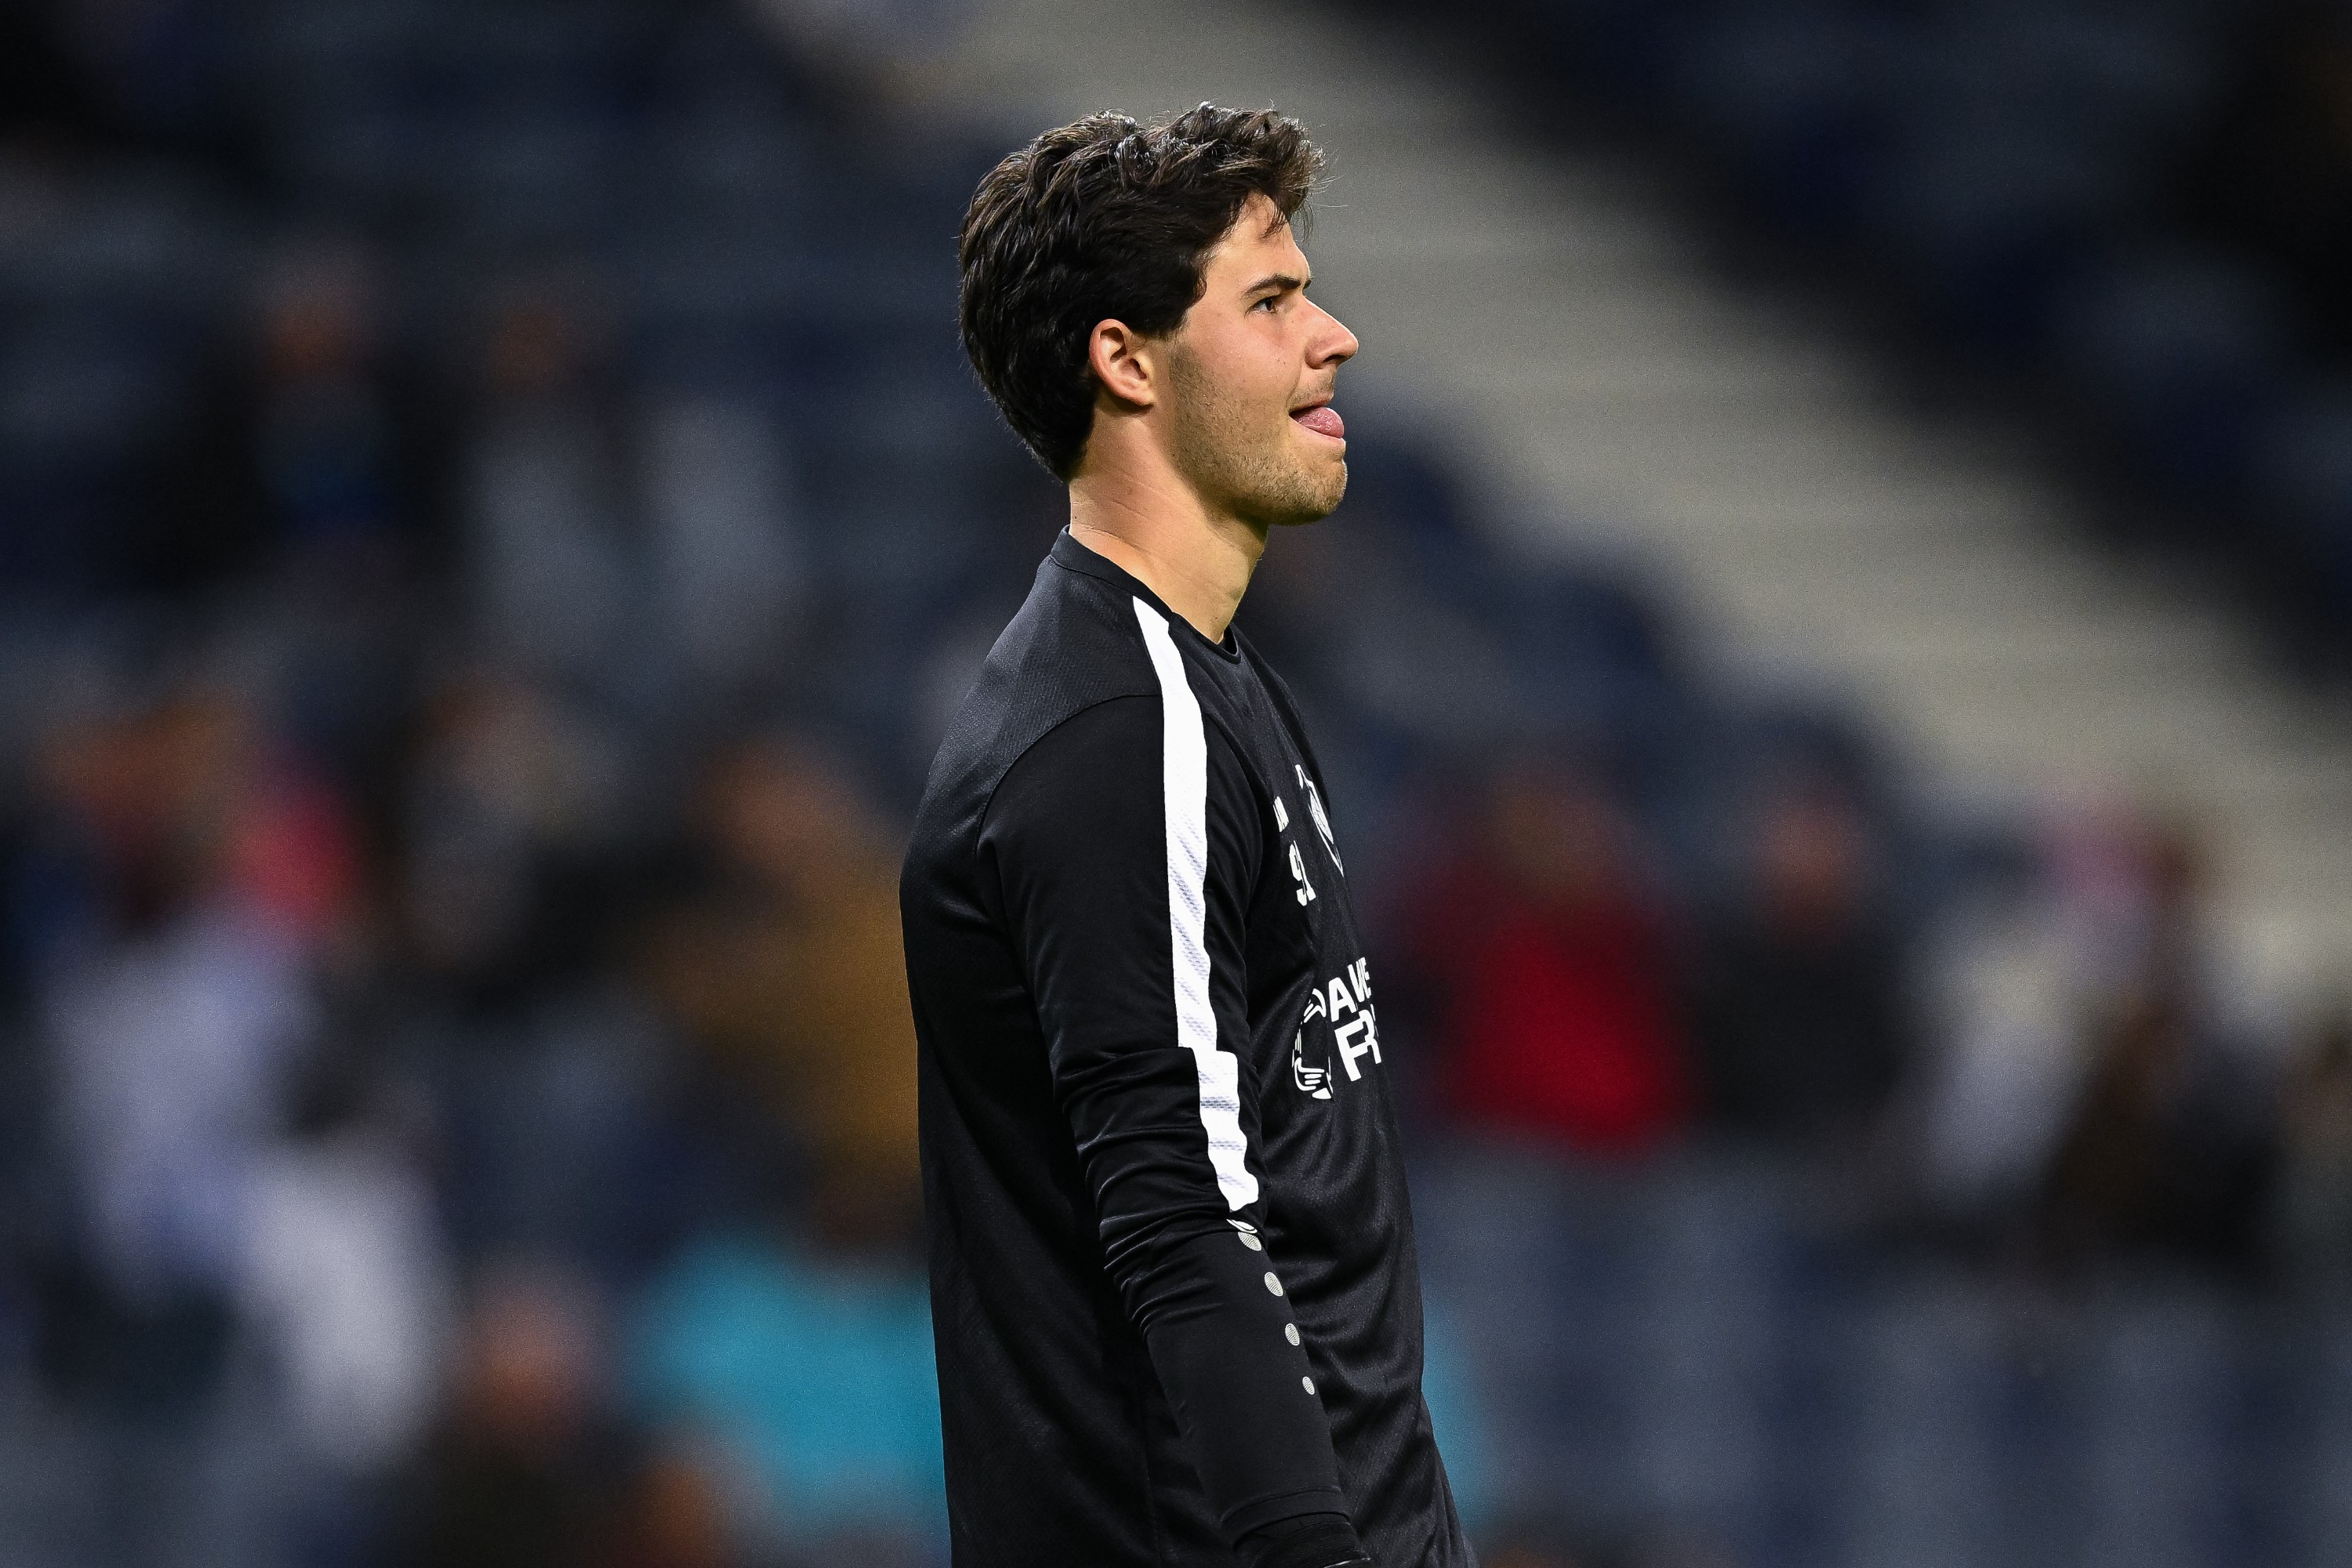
1104, 219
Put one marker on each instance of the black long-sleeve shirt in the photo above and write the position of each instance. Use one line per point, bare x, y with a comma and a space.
1173, 1281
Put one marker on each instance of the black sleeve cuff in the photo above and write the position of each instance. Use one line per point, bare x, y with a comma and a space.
1242, 1393
1280, 1508
1304, 1541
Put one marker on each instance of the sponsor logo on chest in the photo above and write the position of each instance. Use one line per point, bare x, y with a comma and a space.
1342, 1005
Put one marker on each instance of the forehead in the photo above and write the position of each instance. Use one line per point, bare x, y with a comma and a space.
1260, 242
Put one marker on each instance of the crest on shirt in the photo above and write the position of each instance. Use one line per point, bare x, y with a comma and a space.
1322, 822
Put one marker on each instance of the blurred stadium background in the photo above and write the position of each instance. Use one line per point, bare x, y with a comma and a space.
1832, 665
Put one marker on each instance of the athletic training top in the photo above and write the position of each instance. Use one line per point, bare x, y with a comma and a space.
1173, 1285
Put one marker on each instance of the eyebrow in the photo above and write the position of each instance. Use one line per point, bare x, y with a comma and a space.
1279, 281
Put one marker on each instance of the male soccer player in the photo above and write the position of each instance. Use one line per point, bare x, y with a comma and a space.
1174, 1287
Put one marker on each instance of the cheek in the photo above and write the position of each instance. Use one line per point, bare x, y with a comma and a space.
1281, 373
1240, 383
1261, 367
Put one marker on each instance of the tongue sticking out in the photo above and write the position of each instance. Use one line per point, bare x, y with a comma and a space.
1323, 422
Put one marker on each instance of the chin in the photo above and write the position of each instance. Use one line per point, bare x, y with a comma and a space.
1283, 486
1315, 498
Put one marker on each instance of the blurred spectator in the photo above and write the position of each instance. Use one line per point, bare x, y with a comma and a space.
2016, 976
346, 1270
727, 546
180, 1002
2163, 1150
347, 1280
1550, 972
1802, 1014
523, 1469
2311, 1214
327, 426
550, 498
187, 878
511, 810
813, 1364
791, 975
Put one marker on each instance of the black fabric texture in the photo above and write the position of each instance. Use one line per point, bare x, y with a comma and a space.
1151, 1352
1305, 1541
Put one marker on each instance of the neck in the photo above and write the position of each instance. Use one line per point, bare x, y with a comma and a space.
1197, 560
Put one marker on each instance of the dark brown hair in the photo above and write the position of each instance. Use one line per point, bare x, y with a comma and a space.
1106, 219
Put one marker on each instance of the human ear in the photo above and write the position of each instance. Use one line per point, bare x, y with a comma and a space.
1123, 361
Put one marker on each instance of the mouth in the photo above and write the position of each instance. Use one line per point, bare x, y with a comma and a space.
1322, 420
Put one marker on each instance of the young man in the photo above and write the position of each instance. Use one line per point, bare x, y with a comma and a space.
1173, 1276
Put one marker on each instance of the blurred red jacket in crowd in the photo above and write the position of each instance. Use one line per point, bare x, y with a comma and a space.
1551, 976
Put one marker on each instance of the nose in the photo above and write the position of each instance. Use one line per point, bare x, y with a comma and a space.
1333, 343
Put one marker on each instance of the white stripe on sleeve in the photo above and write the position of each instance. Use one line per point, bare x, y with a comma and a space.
1184, 774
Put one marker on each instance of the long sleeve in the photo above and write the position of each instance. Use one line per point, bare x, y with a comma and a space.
1124, 846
